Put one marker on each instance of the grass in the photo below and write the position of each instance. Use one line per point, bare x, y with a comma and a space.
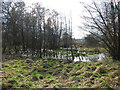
54, 73
75, 85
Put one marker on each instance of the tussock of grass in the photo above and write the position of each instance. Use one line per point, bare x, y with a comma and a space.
28, 73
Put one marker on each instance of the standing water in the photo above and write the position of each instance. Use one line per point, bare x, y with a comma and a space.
88, 58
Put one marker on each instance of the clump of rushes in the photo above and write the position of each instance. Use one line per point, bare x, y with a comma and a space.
59, 73
48, 75
36, 75
41, 76
13, 81
75, 85
74, 78
27, 83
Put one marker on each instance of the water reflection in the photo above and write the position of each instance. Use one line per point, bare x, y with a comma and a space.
96, 57
88, 58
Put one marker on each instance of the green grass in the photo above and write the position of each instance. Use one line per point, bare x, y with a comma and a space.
52, 73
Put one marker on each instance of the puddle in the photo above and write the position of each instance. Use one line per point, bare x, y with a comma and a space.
96, 57
88, 58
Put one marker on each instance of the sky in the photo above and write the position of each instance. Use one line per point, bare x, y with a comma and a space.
68, 8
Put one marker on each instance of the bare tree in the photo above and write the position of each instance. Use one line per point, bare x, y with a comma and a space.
36, 31
104, 22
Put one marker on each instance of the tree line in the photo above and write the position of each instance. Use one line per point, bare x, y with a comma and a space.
36, 30
39, 29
